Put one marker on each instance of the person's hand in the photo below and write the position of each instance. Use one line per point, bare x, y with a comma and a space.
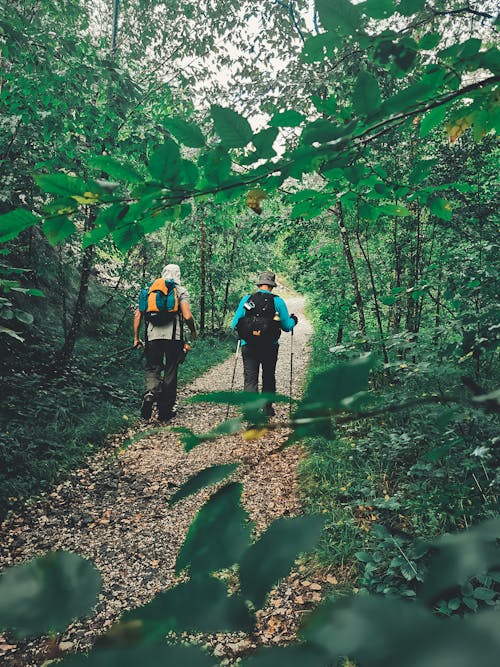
138, 344
294, 318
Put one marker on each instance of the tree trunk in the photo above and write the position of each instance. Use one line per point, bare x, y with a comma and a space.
203, 280
352, 270
376, 304
232, 256
65, 353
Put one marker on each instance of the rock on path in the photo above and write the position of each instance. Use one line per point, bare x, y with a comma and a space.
115, 511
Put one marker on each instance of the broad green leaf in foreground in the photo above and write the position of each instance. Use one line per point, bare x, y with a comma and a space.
15, 222
199, 605
165, 161
58, 228
204, 478
233, 129
432, 119
462, 556
379, 631
219, 534
289, 118
330, 387
61, 184
47, 593
115, 168
366, 94
188, 134
146, 655
303, 655
341, 16
273, 555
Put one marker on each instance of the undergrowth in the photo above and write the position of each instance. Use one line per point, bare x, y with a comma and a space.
392, 483
50, 426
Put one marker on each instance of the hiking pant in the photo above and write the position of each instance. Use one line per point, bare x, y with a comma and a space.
163, 355
253, 359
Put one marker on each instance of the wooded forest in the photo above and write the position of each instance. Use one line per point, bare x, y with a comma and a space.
348, 146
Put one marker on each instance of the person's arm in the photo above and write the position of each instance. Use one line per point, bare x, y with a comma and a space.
137, 329
287, 321
188, 318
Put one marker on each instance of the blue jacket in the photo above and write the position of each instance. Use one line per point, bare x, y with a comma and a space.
286, 322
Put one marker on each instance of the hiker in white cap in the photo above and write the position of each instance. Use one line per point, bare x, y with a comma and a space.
164, 306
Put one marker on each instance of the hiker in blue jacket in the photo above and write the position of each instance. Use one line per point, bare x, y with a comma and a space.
259, 320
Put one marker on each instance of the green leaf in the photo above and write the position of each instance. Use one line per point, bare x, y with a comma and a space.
482, 593
441, 208
323, 130
263, 142
410, 7
366, 95
219, 534
93, 236
290, 118
378, 9
330, 387
421, 170
15, 222
339, 16
429, 41
274, 554
115, 168
317, 47
47, 593
12, 334
127, 236
189, 134
57, 229
204, 478
302, 655
216, 165
394, 210
165, 161
233, 129
23, 316
199, 605
61, 184
354, 627
461, 556
432, 119
132, 656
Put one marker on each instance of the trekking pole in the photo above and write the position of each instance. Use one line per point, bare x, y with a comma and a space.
234, 374
291, 375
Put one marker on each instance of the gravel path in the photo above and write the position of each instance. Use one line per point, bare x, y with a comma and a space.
114, 511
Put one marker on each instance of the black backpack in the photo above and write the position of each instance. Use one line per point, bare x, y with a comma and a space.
261, 323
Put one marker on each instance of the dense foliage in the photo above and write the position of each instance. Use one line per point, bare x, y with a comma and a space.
366, 172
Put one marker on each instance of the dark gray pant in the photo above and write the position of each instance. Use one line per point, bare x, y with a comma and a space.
163, 355
253, 359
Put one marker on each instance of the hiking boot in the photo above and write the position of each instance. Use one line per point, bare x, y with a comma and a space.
166, 416
269, 411
147, 405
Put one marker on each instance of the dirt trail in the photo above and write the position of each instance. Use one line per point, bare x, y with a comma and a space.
114, 511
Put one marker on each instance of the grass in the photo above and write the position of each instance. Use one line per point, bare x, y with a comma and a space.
415, 473
49, 428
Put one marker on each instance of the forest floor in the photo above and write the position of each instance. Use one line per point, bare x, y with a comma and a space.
114, 511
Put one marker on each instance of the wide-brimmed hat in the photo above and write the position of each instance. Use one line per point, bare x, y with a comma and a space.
267, 278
